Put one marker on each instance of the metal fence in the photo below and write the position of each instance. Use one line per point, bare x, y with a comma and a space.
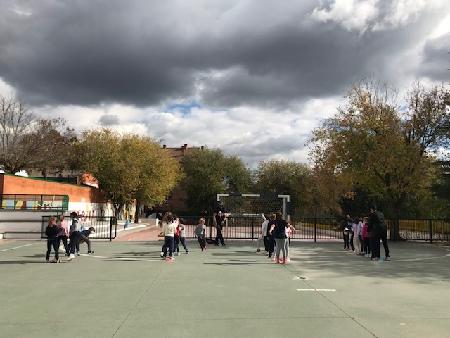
29, 202
105, 226
323, 229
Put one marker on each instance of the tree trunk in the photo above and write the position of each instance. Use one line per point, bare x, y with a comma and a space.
136, 213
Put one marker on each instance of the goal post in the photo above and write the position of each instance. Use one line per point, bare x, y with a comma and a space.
255, 204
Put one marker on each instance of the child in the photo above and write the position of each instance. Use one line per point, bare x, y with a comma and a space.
176, 239
84, 238
289, 231
181, 236
365, 237
200, 232
52, 240
63, 234
168, 230
356, 228
74, 236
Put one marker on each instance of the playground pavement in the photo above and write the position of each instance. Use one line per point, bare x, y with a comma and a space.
126, 290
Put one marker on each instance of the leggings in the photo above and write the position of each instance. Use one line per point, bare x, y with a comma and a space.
183, 243
286, 247
202, 242
280, 246
169, 243
52, 242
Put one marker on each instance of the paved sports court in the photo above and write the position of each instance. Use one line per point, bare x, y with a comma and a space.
125, 290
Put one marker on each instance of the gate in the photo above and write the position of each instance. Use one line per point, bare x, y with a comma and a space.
105, 226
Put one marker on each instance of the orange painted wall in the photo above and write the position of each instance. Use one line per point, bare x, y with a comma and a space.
10, 184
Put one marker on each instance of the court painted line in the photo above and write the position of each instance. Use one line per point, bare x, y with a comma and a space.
123, 258
316, 290
16, 247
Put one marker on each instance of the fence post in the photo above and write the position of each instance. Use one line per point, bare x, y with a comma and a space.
430, 228
315, 229
110, 228
253, 229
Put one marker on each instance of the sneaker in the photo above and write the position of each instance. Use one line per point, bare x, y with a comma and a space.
287, 260
71, 256
90, 252
161, 254
187, 252
387, 258
78, 254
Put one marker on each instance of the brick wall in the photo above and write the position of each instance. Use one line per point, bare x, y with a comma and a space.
10, 184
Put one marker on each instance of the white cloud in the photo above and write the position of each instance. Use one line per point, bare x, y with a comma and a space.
376, 15
252, 133
6, 90
351, 14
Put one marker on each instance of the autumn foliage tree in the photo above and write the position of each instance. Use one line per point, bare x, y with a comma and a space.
128, 167
373, 146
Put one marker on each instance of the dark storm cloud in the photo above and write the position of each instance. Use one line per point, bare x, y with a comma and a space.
436, 59
224, 53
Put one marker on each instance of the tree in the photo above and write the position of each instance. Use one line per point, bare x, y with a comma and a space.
128, 167
368, 146
286, 177
209, 172
30, 143
158, 171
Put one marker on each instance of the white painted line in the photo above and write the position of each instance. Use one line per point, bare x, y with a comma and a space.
123, 258
86, 255
316, 290
16, 247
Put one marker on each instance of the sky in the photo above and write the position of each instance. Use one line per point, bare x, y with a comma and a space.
251, 77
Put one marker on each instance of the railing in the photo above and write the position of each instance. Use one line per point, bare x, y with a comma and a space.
29, 202
105, 226
322, 229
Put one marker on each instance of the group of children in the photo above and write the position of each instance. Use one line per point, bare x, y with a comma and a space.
364, 238
276, 234
57, 232
174, 232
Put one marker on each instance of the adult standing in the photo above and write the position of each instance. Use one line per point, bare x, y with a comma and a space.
346, 226
374, 229
269, 235
219, 219
278, 231
383, 235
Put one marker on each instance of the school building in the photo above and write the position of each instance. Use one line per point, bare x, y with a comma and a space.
24, 200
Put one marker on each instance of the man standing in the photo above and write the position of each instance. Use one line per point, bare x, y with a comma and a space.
383, 235
219, 219
374, 233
